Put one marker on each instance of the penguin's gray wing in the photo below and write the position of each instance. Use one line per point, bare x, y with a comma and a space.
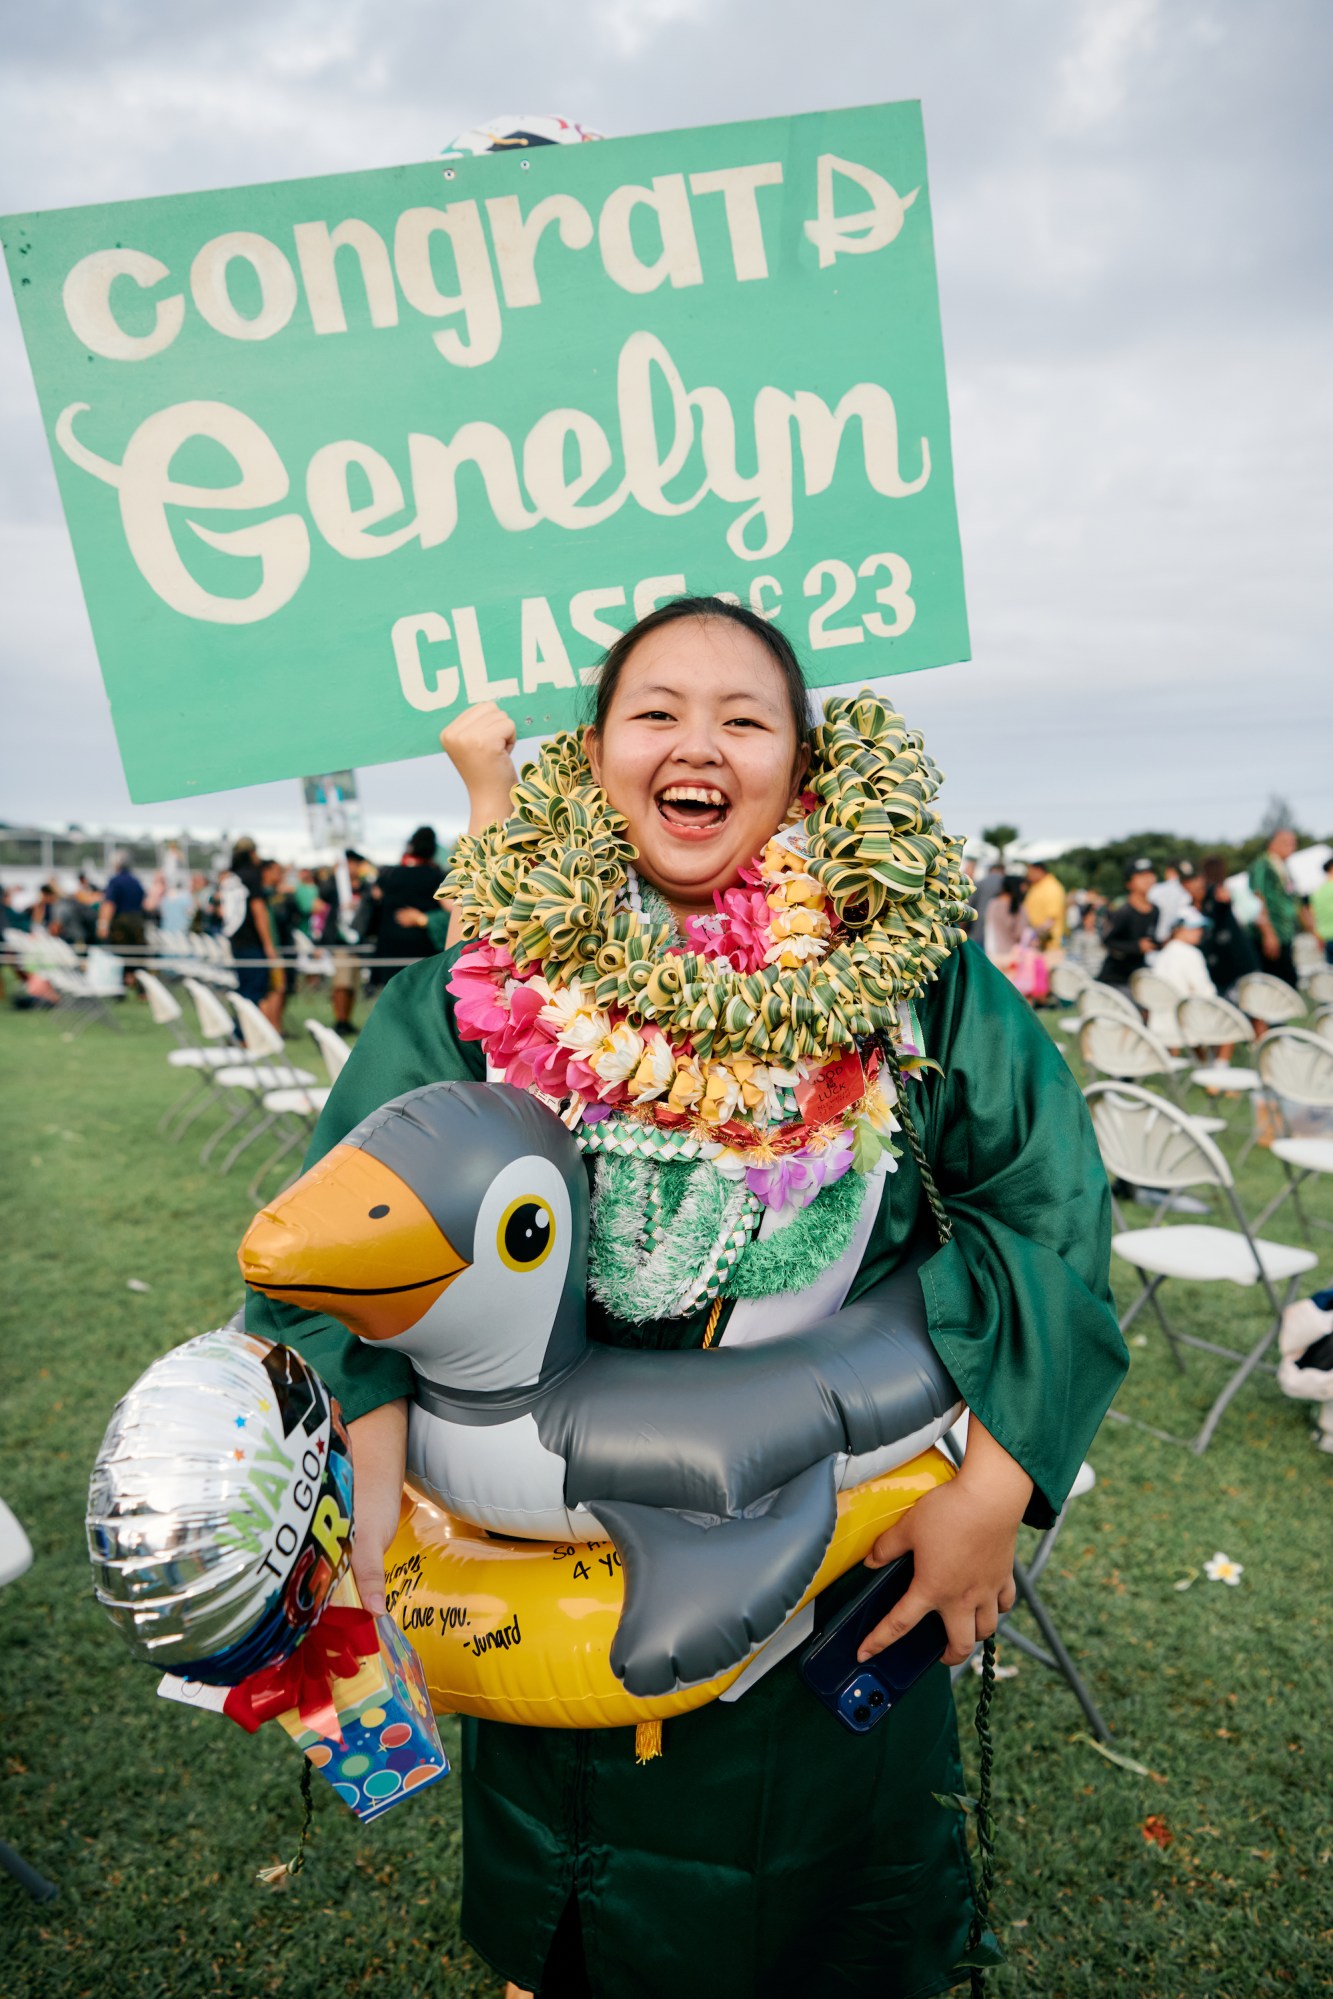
701, 1593
714, 1431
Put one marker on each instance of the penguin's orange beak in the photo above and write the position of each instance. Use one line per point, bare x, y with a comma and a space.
353, 1240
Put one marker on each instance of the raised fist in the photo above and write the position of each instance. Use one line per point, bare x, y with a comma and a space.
480, 744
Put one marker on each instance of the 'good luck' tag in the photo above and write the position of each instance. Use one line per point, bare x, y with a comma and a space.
834, 1089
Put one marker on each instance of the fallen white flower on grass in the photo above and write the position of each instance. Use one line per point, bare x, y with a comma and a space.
136, 1284
1223, 1570
1001, 1672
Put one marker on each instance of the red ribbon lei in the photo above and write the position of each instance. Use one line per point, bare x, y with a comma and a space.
344, 1638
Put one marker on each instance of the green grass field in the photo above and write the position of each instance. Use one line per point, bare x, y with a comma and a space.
154, 1820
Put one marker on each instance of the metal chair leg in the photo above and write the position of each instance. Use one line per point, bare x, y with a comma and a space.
252, 1191
203, 1090
208, 1100
1291, 1191
244, 1143
1041, 1554
1148, 1296
1242, 1374
1139, 1302
1073, 1678
1173, 1340
1027, 1646
1056, 1660
27, 1877
238, 1116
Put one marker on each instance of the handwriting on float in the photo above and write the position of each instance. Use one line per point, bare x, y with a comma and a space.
503, 1639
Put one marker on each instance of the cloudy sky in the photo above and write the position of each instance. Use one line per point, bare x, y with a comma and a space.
1132, 221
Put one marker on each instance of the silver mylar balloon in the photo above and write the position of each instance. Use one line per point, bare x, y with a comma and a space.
219, 1512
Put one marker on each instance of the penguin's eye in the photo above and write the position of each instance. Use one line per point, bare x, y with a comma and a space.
526, 1232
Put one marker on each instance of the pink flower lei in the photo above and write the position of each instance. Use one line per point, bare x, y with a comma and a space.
787, 1131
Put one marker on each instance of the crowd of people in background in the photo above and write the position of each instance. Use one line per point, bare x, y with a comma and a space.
1183, 922
374, 920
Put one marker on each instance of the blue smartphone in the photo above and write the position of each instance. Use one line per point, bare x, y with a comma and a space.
862, 1694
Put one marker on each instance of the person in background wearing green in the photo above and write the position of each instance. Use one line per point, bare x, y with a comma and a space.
766, 1853
1281, 914
1321, 910
305, 895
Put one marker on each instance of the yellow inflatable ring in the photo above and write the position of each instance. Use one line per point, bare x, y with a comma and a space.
521, 1631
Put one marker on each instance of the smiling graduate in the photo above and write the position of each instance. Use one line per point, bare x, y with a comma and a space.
726, 948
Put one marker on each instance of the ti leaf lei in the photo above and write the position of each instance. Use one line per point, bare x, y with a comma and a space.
657, 1050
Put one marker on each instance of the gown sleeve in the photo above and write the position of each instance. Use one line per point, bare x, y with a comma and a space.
1019, 1302
409, 1040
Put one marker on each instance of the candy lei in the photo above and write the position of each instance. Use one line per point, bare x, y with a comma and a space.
751, 1043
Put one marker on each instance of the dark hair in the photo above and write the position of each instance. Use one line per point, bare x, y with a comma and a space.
423, 843
1015, 888
1213, 868
778, 646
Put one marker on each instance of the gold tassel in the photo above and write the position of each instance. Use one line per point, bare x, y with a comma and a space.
647, 1741
710, 1333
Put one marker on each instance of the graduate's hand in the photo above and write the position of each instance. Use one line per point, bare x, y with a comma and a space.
480, 743
961, 1537
379, 1463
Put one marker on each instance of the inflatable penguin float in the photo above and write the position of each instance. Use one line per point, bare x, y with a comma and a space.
451, 1226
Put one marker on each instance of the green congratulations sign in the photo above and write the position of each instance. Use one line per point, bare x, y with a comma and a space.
340, 456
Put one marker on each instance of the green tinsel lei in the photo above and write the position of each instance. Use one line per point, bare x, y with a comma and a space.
638, 1281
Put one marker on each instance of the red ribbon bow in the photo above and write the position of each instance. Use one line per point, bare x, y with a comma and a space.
344, 1638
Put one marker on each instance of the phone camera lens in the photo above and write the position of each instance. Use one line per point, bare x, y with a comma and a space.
877, 1700
861, 1714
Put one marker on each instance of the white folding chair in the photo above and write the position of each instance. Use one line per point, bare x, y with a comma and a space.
295, 1111
301, 1107
1097, 1001
165, 1010
1319, 987
1272, 1002
1125, 1051
1068, 980
15, 1560
85, 984
1208, 1022
310, 963
1321, 1023
1054, 1654
1099, 998
1145, 1139
253, 1080
331, 1046
1297, 1068
223, 959
217, 1035
1160, 1000
215, 1023
213, 960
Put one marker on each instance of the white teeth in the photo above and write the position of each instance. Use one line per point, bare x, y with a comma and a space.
693, 794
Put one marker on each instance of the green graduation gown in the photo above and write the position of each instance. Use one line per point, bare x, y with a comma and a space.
769, 1851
